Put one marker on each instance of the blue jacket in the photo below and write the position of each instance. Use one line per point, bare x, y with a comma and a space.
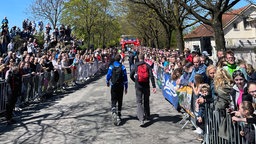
184, 78
109, 74
200, 70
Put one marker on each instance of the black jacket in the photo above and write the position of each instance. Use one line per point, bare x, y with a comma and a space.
133, 76
15, 81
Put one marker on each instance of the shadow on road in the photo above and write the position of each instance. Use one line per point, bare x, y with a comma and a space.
156, 118
127, 118
25, 117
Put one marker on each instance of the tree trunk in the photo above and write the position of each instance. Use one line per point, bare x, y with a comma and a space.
168, 31
89, 39
169, 37
219, 35
157, 41
180, 40
178, 23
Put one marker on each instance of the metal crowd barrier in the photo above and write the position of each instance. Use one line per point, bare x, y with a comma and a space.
219, 128
3, 96
34, 86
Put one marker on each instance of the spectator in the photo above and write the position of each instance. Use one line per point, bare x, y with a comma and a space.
13, 32
239, 89
251, 72
68, 33
245, 114
55, 35
8, 57
30, 47
176, 74
24, 24
62, 32
41, 26
252, 90
210, 73
223, 84
220, 54
33, 27
231, 65
221, 63
20, 67
131, 60
205, 59
188, 68
5, 23
32, 64
204, 94
199, 79
26, 68
4, 40
10, 46
198, 69
164, 61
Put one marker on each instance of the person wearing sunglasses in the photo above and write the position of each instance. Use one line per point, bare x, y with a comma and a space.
239, 90
231, 64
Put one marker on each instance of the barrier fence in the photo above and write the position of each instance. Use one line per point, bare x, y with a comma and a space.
218, 127
35, 86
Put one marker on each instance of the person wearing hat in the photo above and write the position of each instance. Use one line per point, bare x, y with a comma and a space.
187, 70
205, 59
186, 52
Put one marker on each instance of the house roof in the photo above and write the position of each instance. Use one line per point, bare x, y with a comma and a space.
205, 30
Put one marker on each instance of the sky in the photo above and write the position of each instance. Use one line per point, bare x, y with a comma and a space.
15, 11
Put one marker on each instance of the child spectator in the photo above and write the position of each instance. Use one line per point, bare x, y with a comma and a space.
246, 112
204, 93
196, 86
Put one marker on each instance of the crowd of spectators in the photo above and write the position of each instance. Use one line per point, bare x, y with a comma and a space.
228, 85
59, 51
21, 54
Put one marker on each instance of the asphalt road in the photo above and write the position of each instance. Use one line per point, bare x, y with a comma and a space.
82, 115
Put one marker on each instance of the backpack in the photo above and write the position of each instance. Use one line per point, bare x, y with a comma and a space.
117, 75
142, 73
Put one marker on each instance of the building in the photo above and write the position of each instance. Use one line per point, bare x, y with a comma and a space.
239, 31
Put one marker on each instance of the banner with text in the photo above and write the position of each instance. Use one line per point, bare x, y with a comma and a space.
169, 91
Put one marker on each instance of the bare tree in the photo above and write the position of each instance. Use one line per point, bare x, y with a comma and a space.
50, 10
215, 8
172, 16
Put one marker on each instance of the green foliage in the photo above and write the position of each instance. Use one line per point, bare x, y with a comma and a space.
18, 42
82, 47
92, 21
40, 39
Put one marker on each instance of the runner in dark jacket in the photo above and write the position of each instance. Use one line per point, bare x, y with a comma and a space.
143, 91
